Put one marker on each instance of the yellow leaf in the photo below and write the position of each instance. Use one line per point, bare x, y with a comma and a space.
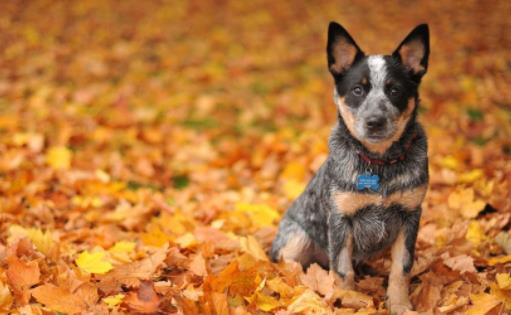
94, 262
502, 294
260, 214
293, 188
122, 247
474, 232
503, 280
309, 303
251, 246
43, 241
450, 162
471, 176
265, 302
482, 304
121, 251
278, 285
499, 260
113, 300
59, 157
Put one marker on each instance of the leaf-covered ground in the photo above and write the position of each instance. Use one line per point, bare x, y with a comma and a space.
148, 149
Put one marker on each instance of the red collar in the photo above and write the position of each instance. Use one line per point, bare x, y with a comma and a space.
401, 157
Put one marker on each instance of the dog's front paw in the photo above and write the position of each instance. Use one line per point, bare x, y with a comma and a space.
347, 282
399, 308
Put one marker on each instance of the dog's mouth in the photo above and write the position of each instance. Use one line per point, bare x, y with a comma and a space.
379, 135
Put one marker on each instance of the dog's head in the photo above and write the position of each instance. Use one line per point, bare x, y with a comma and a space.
377, 94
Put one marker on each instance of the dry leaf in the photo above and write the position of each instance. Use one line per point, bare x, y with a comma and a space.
144, 300
58, 299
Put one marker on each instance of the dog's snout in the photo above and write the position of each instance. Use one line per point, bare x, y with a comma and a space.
375, 123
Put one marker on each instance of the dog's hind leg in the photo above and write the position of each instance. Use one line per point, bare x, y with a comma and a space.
292, 243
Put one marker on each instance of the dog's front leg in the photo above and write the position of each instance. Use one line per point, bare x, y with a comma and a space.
402, 253
340, 248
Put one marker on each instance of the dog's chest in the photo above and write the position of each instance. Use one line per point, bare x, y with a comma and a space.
350, 202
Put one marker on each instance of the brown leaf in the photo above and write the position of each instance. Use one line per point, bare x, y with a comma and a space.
144, 300
131, 274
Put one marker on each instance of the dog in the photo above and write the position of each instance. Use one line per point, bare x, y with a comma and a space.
367, 195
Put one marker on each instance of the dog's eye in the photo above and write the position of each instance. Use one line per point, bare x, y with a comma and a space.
394, 91
358, 90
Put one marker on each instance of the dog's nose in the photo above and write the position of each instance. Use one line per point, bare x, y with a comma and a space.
375, 123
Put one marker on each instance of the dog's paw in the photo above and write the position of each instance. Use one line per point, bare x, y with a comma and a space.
399, 308
347, 282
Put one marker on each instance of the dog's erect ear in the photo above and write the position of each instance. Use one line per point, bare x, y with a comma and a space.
342, 51
413, 52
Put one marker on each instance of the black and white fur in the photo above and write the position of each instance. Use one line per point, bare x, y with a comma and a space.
333, 223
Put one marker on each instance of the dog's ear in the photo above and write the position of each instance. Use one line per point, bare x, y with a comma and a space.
413, 52
342, 51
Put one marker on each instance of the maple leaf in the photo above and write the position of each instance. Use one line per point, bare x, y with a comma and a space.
58, 299
461, 263
319, 280
121, 251
130, 274
251, 246
94, 262
309, 303
43, 241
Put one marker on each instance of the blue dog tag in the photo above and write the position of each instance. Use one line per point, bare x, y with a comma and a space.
368, 181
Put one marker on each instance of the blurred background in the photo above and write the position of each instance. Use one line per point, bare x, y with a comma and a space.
222, 110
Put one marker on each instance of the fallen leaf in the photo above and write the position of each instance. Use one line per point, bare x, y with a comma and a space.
58, 299
319, 280
482, 304
251, 246
461, 263
94, 262
113, 300
144, 300
309, 303
198, 265
503, 280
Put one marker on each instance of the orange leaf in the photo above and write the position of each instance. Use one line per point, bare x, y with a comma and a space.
58, 299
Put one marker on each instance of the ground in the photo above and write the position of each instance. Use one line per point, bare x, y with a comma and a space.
149, 148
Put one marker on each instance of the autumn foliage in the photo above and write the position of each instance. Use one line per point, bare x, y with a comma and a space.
149, 148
